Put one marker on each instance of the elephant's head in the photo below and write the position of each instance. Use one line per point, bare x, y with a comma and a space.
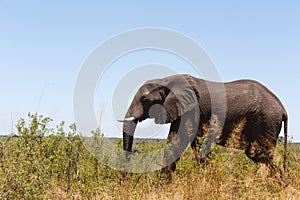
165, 100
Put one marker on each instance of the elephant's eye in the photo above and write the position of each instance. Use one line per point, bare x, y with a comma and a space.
144, 99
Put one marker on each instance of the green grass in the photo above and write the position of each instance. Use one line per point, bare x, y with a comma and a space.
46, 163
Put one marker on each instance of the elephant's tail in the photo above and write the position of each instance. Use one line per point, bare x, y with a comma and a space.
285, 120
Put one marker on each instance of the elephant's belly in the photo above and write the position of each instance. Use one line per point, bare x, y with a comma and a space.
233, 139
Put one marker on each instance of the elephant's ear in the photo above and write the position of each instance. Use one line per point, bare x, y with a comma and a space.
182, 96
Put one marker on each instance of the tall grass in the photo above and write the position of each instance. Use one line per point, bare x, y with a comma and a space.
47, 163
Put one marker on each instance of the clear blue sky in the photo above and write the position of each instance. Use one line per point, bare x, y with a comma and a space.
44, 43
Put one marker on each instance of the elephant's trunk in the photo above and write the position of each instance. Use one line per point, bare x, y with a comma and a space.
128, 132
134, 113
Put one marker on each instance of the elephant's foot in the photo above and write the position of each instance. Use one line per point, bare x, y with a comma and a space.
204, 160
271, 171
277, 174
166, 172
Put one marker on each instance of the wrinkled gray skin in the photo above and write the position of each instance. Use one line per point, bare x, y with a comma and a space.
182, 95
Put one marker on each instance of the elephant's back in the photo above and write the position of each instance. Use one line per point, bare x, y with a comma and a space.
241, 96
255, 95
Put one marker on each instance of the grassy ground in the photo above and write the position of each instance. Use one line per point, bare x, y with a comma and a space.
229, 174
58, 166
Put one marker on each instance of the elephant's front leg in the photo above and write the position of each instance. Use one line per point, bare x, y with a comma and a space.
199, 151
170, 157
180, 135
196, 147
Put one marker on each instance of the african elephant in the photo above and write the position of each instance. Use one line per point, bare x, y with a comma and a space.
181, 99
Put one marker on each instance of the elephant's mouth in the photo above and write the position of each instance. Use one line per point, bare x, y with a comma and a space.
159, 114
161, 119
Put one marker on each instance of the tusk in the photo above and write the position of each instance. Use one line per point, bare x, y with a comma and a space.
129, 119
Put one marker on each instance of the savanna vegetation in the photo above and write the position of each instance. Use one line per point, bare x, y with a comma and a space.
53, 163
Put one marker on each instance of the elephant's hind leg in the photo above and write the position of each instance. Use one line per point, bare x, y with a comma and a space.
262, 151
